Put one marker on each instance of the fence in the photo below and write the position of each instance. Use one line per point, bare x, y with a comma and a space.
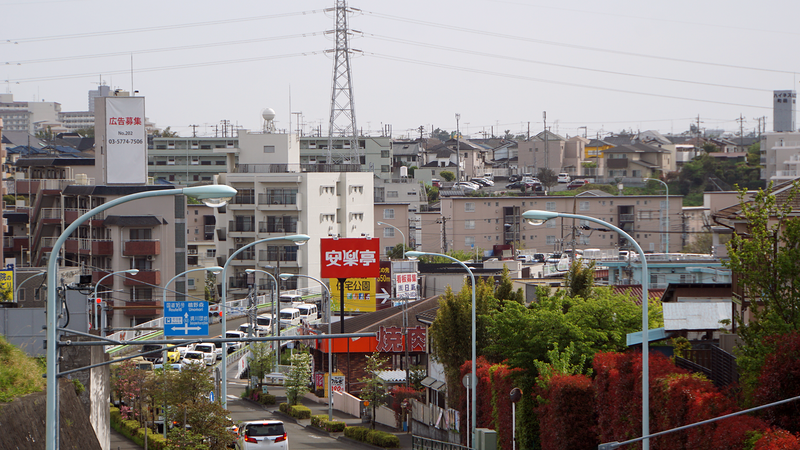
421, 443
385, 416
347, 403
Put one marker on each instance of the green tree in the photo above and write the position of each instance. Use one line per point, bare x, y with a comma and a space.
508, 135
373, 391
210, 286
710, 147
504, 291
702, 243
440, 134
411, 171
46, 135
298, 378
261, 362
166, 132
547, 177
432, 193
764, 260
397, 251
754, 154
447, 175
580, 279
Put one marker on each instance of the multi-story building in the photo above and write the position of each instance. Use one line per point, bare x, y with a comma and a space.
481, 222
187, 161
201, 250
780, 156
28, 116
396, 214
636, 161
278, 196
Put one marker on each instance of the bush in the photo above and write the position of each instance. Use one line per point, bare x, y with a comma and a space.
382, 439
116, 417
300, 412
321, 421
284, 408
357, 433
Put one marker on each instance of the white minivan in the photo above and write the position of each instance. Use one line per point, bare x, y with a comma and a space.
290, 317
308, 312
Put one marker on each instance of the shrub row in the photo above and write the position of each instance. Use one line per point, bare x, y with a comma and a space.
321, 421
259, 397
131, 430
374, 437
300, 412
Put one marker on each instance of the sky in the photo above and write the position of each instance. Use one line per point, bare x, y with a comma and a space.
593, 67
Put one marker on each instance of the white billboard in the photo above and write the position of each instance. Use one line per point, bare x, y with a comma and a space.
126, 141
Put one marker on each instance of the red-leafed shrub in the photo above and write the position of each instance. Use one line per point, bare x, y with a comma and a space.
777, 439
401, 396
566, 413
494, 404
780, 379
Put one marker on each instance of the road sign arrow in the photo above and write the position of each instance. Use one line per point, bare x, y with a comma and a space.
186, 328
383, 296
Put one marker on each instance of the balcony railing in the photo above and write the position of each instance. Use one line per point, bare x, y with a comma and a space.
141, 247
626, 217
144, 278
241, 226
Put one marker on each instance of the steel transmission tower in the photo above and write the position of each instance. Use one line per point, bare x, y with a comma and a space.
343, 108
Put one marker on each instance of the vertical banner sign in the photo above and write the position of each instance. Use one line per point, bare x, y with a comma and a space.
406, 285
350, 258
126, 141
359, 295
383, 289
7, 286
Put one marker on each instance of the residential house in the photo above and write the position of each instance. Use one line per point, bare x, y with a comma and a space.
632, 162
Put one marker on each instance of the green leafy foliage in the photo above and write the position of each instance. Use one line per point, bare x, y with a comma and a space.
19, 374
397, 251
547, 177
300, 412
373, 389
447, 175
764, 261
261, 361
333, 426
298, 378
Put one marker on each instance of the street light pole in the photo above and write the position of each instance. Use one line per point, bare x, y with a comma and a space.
473, 378
212, 195
298, 239
401, 234
94, 294
665, 212
276, 301
534, 217
285, 276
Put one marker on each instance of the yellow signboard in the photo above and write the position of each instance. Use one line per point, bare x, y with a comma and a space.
7, 286
359, 295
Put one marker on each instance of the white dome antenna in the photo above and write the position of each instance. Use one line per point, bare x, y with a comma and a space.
268, 114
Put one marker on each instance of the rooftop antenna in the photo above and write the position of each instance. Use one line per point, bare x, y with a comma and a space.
343, 110
268, 115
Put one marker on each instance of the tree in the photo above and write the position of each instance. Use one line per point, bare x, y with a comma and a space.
373, 390
261, 361
166, 132
411, 171
210, 286
46, 134
580, 279
764, 260
547, 177
447, 175
440, 134
298, 378
702, 243
397, 251
86, 132
432, 193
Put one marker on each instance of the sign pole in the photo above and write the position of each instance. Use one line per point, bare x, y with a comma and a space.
341, 303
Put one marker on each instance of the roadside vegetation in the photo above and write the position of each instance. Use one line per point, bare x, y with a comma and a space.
19, 374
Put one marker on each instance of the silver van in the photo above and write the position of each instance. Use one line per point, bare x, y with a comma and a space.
308, 312
290, 317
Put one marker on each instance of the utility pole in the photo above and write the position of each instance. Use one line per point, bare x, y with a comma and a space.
420, 129
194, 130
741, 130
444, 233
546, 162
342, 102
458, 148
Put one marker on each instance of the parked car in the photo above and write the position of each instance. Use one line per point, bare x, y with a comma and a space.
435, 182
289, 317
563, 178
483, 182
262, 434
514, 178
539, 257
466, 185
575, 184
151, 353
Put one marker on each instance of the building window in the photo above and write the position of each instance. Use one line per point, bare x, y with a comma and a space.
550, 206
469, 207
392, 194
385, 169
388, 213
550, 224
211, 253
550, 240
584, 206
469, 241
269, 149
385, 154
388, 232
469, 224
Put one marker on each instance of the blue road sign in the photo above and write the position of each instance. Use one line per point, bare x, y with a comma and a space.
186, 318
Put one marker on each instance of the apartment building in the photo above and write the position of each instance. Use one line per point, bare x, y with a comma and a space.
398, 215
636, 161
780, 156
201, 250
546, 149
187, 161
28, 116
472, 223
279, 195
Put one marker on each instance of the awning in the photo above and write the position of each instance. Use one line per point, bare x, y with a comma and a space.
433, 383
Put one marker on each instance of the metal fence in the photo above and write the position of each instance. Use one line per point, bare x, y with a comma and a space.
421, 443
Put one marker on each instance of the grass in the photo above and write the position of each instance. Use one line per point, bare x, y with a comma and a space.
19, 374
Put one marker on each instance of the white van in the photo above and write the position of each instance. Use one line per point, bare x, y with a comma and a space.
308, 312
290, 317
291, 299
264, 323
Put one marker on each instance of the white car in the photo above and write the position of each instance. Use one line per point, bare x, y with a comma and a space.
193, 357
264, 324
208, 351
262, 435
564, 178
233, 346
466, 185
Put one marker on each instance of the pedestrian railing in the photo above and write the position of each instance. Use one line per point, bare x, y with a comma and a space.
421, 443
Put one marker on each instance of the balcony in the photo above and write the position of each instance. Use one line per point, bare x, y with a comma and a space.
81, 245
617, 163
72, 214
98, 274
142, 308
15, 243
626, 217
143, 278
242, 226
247, 255
141, 248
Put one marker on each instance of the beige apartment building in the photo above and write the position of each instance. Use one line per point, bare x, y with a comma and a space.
395, 214
479, 223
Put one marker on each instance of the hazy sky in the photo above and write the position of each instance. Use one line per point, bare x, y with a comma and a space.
603, 65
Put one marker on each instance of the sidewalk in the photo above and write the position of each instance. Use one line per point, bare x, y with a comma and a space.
120, 442
322, 408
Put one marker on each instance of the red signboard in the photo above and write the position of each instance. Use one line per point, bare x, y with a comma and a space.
350, 258
390, 340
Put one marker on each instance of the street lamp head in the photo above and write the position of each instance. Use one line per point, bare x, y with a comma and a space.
299, 239
213, 195
214, 269
249, 270
381, 223
286, 276
132, 271
536, 217
415, 254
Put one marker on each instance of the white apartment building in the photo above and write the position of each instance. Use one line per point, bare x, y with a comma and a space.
277, 195
27, 116
780, 156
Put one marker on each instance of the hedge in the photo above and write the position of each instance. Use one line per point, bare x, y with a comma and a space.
321, 421
374, 437
284, 408
300, 412
131, 430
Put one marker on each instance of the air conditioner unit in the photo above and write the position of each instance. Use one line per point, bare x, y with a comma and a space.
150, 257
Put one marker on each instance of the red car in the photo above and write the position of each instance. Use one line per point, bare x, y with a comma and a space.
575, 184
